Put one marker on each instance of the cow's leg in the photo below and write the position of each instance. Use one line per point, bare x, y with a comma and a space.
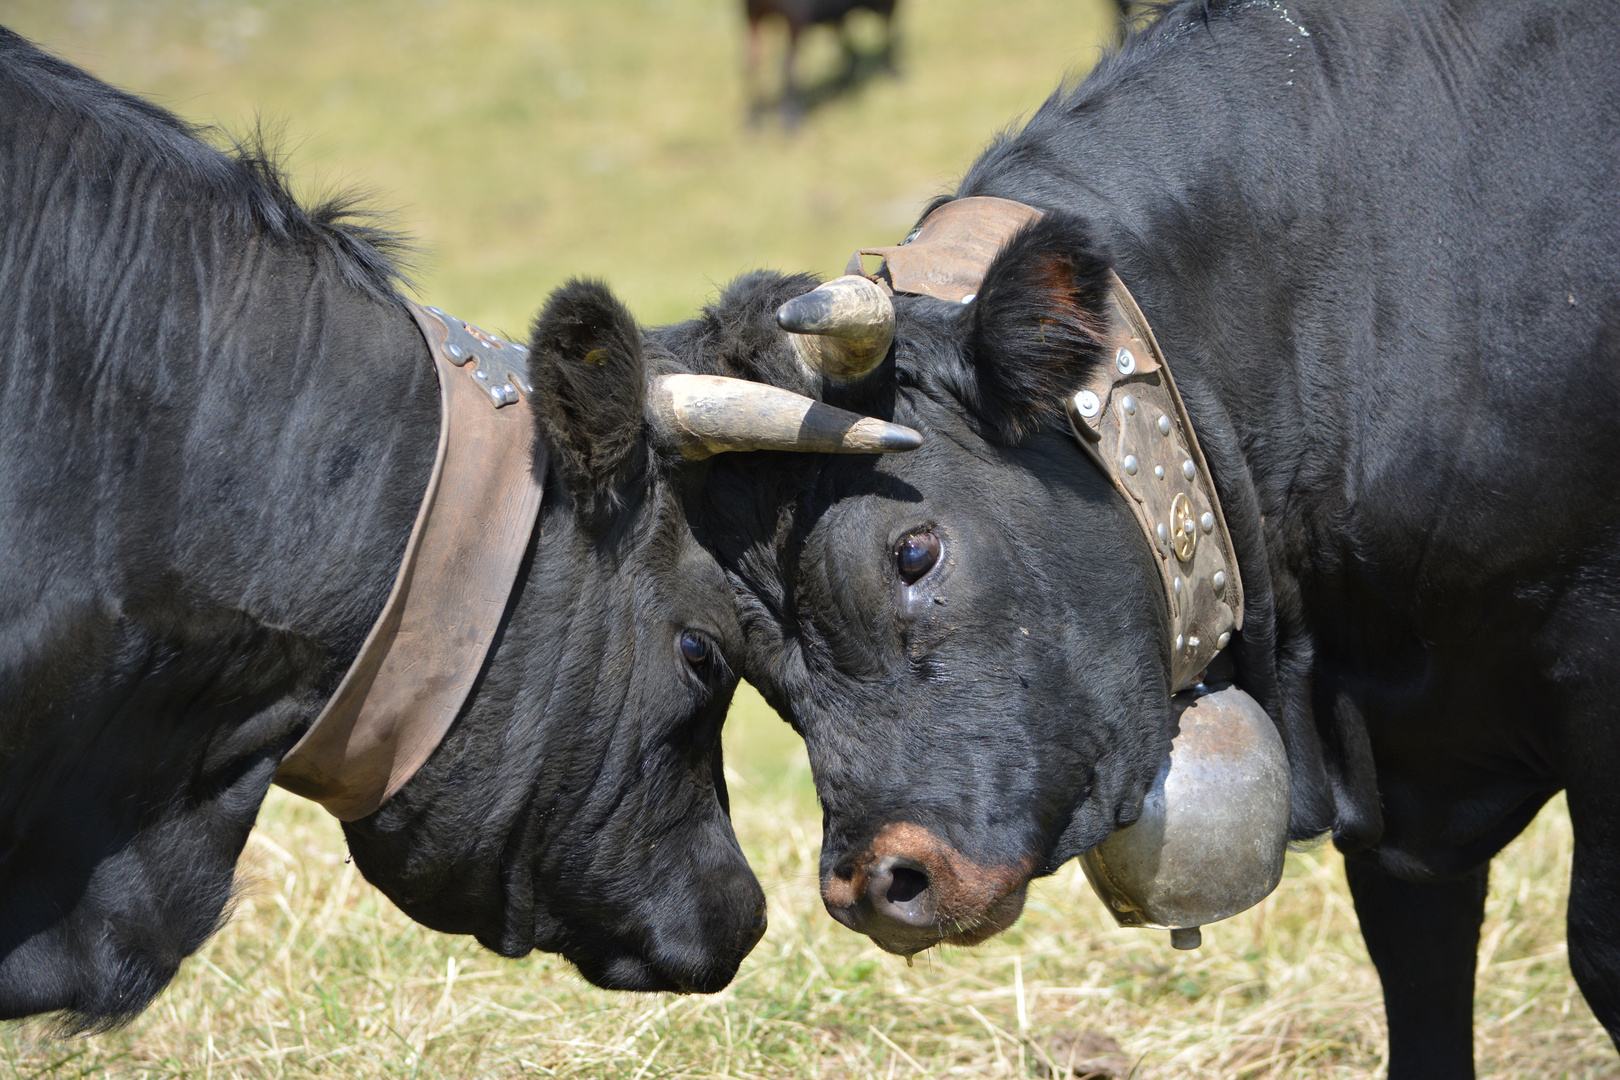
755, 89
852, 52
1594, 905
1424, 939
792, 104
888, 55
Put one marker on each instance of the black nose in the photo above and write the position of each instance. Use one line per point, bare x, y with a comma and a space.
899, 891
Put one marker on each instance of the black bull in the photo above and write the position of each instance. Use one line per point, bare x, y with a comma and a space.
1380, 245
216, 424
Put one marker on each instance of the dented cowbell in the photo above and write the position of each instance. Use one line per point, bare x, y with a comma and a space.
1214, 826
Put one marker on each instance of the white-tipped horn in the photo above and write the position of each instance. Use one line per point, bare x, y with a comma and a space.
711, 414
841, 329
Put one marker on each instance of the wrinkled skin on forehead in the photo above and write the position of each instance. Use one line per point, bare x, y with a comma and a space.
946, 719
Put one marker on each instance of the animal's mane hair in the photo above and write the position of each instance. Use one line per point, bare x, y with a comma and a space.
242, 175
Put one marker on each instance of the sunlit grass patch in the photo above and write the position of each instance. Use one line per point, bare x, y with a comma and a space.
318, 975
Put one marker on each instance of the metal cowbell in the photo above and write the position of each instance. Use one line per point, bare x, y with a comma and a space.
1214, 827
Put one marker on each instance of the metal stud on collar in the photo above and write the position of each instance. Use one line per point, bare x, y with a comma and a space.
501, 368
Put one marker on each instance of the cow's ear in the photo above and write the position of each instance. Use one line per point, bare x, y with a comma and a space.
1038, 326
590, 390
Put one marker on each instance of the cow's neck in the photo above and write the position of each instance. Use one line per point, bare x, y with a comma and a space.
1188, 201
336, 444
264, 432
423, 654
1320, 327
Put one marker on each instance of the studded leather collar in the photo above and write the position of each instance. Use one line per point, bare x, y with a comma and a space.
418, 664
1128, 417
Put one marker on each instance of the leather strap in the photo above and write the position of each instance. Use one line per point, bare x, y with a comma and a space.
1128, 417
419, 662
1131, 420
947, 255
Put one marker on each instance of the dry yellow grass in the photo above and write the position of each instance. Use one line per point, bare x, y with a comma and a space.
318, 975
524, 142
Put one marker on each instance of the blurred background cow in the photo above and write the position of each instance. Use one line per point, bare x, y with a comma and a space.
798, 16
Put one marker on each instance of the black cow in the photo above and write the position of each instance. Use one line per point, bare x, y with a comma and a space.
216, 424
799, 16
1380, 245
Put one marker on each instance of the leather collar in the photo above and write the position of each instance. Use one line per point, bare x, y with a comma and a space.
1127, 416
424, 652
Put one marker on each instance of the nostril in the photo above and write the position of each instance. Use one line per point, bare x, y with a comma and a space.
905, 885
899, 891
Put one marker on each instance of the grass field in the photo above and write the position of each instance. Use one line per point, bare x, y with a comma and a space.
524, 142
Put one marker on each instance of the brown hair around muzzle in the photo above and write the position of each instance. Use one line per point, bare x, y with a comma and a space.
910, 890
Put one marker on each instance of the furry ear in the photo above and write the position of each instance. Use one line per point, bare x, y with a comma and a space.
1039, 325
590, 389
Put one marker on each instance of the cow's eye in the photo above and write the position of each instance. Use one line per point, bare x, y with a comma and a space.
915, 556
695, 649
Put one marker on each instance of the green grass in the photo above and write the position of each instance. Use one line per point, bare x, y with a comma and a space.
524, 142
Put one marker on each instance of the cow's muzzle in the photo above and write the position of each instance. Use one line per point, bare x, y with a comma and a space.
697, 963
909, 890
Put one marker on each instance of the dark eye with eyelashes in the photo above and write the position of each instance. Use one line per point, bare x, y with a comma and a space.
915, 556
695, 650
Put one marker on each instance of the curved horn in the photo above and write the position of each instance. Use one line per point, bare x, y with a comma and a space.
841, 329
710, 414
